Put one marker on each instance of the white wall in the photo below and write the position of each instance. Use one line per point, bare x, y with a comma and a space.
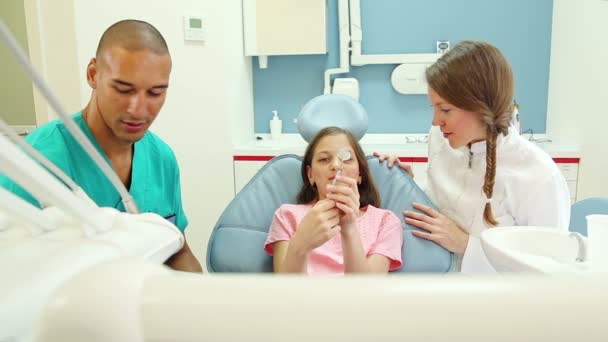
237, 74
16, 96
577, 108
209, 102
52, 46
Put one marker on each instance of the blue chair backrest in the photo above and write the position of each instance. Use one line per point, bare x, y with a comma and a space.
237, 240
580, 209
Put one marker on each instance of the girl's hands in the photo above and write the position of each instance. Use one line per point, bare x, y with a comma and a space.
345, 194
318, 226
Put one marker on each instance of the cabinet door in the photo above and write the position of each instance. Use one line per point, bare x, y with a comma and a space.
570, 172
419, 169
244, 171
285, 27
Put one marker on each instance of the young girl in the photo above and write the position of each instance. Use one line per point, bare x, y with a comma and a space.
481, 172
335, 228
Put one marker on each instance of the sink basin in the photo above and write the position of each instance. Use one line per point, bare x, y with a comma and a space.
533, 249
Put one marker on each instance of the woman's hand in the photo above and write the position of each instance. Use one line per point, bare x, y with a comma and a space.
318, 226
346, 196
394, 159
440, 228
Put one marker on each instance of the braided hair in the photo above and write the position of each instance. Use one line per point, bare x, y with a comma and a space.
475, 76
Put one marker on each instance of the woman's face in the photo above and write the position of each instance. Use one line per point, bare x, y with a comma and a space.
459, 126
325, 162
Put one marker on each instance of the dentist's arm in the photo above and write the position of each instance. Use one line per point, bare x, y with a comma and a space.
184, 260
437, 228
392, 160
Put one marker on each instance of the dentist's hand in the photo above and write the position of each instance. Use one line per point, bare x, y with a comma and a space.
440, 228
392, 160
318, 226
346, 196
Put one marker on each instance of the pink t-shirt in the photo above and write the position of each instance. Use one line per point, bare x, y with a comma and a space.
380, 229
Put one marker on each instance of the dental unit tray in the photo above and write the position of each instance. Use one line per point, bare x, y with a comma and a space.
42, 249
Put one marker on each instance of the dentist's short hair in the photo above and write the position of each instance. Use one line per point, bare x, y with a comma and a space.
133, 35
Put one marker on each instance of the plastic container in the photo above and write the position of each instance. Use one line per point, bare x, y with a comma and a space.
515, 119
276, 126
597, 232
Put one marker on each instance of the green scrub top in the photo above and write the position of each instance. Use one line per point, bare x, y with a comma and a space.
155, 183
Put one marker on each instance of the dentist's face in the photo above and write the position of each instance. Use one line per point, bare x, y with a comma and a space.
325, 162
459, 126
130, 89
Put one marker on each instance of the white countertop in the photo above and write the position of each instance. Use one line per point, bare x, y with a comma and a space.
395, 144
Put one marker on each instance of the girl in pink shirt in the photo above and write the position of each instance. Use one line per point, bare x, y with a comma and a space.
335, 229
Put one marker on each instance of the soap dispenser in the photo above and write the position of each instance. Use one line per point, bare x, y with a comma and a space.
276, 126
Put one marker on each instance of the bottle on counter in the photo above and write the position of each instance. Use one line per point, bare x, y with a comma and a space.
276, 126
515, 119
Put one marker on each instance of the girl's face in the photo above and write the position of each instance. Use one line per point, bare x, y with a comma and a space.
325, 162
459, 126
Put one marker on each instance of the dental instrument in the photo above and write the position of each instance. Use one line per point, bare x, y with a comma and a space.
17, 140
12, 45
43, 249
38, 182
23, 211
69, 238
343, 155
581, 255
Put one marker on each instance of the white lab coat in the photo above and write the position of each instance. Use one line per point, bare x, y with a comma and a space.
529, 190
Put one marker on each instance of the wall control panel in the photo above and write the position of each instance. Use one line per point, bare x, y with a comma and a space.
194, 28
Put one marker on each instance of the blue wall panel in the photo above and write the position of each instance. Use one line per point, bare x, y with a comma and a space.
520, 28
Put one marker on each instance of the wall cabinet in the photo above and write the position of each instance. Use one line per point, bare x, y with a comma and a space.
286, 27
244, 170
570, 172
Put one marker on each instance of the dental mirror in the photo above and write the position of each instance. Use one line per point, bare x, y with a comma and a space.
343, 155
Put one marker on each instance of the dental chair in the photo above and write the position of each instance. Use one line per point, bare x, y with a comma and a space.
237, 240
580, 210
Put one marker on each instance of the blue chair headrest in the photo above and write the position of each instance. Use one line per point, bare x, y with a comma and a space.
332, 110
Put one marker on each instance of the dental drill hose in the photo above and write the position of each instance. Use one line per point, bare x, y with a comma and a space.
20, 56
